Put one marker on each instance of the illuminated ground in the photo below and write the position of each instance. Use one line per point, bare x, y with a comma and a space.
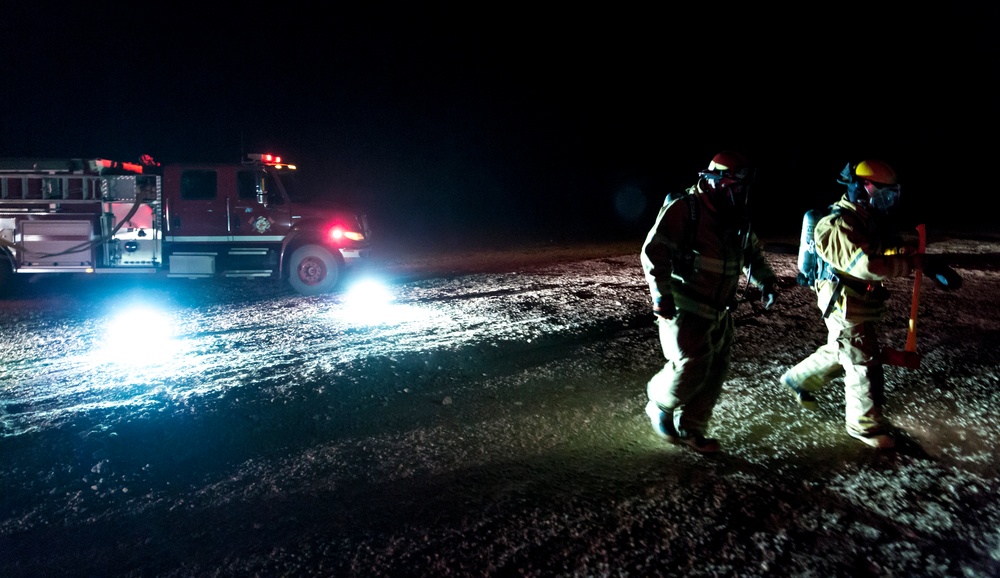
487, 422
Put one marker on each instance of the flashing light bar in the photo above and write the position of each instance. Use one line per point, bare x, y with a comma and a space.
106, 164
270, 160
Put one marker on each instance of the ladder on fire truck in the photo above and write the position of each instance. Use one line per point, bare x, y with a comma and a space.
49, 180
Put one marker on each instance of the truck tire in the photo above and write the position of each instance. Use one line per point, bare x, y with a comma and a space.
313, 270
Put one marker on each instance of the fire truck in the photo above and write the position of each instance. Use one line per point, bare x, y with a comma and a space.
246, 219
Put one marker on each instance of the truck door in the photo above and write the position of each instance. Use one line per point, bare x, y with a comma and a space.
196, 209
259, 211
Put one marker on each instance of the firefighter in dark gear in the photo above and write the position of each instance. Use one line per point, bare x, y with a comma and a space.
693, 259
861, 244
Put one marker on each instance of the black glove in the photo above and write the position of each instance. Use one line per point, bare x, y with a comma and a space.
943, 276
769, 293
665, 307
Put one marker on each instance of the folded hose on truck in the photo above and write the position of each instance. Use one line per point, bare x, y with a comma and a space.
140, 198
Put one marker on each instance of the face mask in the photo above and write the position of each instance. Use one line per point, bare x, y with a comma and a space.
727, 188
883, 198
737, 196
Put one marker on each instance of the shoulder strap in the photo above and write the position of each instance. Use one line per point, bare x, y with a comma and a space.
692, 220
690, 223
692, 216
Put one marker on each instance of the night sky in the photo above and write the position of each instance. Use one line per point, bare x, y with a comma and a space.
508, 121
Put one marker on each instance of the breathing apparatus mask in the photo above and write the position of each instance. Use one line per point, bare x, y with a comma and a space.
732, 191
882, 197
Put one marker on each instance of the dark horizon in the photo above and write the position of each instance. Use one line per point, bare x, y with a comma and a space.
437, 123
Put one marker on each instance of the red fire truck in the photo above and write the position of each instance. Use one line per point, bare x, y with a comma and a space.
187, 220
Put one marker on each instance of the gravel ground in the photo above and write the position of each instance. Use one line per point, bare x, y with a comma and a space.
488, 421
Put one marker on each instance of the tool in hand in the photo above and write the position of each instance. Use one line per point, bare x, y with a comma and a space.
909, 357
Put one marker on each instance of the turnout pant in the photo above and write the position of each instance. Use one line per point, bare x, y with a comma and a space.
852, 351
697, 352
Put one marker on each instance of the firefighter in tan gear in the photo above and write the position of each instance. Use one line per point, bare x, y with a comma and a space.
693, 258
861, 248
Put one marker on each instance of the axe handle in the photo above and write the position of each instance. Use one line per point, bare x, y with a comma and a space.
911, 334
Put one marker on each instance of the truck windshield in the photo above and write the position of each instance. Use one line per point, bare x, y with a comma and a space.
293, 184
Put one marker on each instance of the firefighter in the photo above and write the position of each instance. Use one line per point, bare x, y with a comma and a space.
862, 247
692, 259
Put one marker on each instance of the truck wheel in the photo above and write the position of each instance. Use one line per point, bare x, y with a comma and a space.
313, 270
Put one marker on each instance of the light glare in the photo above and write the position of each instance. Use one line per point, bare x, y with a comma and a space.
139, 336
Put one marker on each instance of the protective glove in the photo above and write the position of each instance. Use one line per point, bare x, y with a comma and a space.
769, 293
938, 271
665, 307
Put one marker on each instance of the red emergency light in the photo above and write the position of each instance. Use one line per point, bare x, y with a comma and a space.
130, 167
270, 160
338, 233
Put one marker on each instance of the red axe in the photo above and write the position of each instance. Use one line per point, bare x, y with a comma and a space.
909, 357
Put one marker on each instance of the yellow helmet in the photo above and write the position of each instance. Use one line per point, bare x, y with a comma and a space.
876, 172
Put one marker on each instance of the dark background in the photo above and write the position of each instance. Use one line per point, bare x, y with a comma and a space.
504, 122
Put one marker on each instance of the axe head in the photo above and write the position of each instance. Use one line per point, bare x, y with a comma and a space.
908, 359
